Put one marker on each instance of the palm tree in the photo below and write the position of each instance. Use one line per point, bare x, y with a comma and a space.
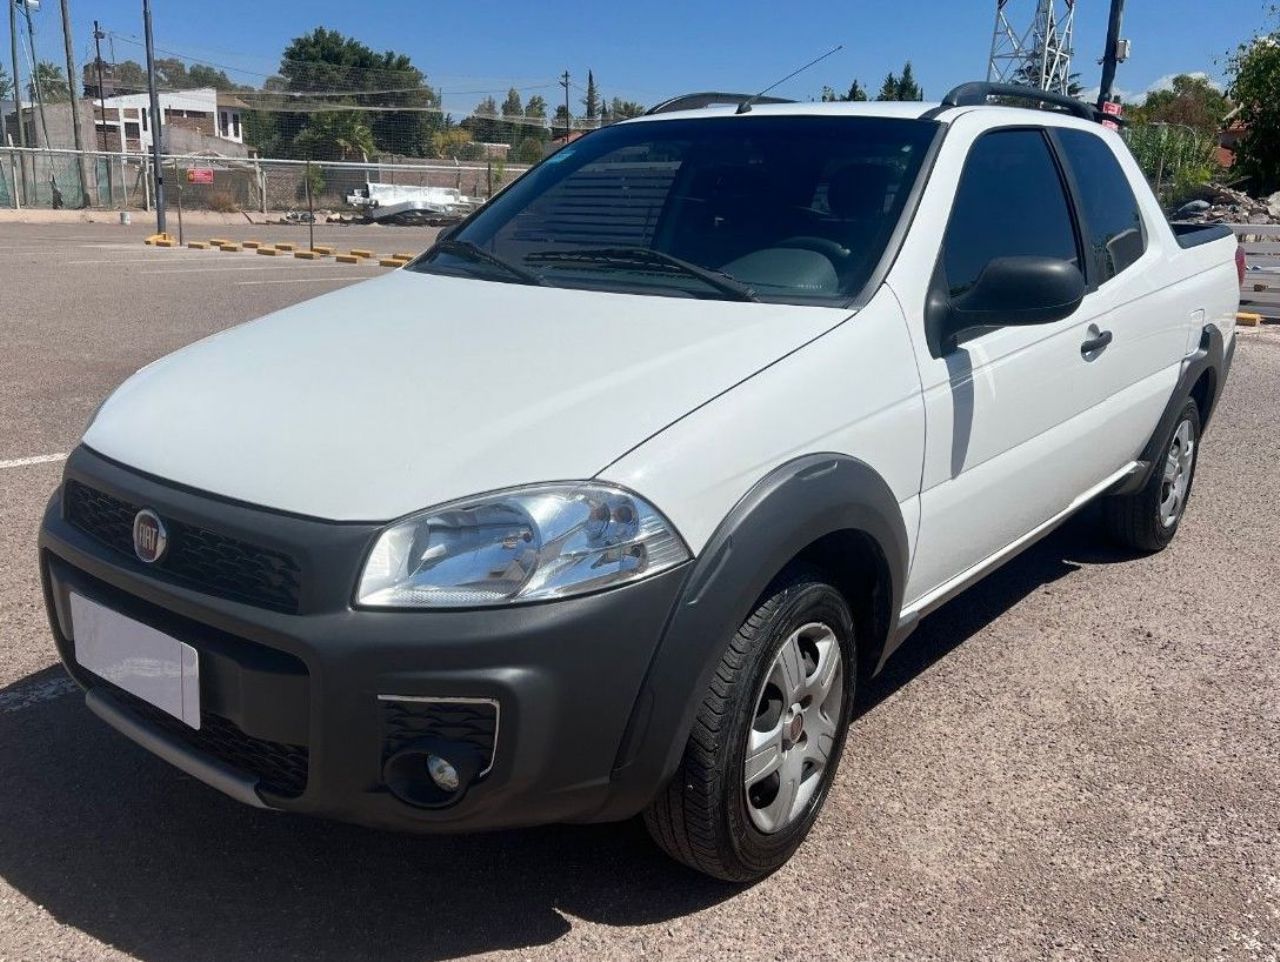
53, 83
335, 135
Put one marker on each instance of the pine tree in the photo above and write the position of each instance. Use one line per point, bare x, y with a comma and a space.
512, 106
592, 100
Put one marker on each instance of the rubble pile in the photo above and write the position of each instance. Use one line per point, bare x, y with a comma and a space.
1219, 204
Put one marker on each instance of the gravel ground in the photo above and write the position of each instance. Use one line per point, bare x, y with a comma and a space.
1077, 759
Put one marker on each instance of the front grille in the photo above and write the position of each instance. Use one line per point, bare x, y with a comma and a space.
473, 722
279, 768
203, 559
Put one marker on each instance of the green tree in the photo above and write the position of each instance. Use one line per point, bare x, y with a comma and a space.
1191, 102
528, 151
591, 102
52, 81
620, 109
562, 120
171, 74
336, 135
6, 85
198, 75
1255, 86
325, 62
536, 107
1176, 159
902, 87
513, 106
128, 77
856, 92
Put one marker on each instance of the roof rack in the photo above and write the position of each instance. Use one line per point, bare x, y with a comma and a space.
977, 93
700, 100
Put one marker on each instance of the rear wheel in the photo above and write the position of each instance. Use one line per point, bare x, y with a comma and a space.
1148, 519
768, 737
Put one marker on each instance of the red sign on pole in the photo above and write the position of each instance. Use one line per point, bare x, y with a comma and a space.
199, 175
1112, 109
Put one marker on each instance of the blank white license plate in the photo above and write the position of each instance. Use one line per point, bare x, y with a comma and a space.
158, 669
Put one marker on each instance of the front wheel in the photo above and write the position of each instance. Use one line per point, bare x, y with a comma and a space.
1148, 519
768, 737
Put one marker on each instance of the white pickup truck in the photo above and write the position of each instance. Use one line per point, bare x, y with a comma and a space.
610, 502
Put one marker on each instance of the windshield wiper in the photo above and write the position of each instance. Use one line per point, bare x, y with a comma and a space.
647, 257
473, 252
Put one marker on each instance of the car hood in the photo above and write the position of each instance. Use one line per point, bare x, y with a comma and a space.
413, 389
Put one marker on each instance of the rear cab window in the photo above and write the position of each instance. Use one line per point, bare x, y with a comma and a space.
1108, 206
796, 209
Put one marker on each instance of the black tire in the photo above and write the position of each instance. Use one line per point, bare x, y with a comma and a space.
1137, 520
700, 818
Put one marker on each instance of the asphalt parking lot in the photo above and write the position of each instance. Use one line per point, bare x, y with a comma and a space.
1077, 759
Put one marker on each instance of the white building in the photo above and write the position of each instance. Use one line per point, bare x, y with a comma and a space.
203, 111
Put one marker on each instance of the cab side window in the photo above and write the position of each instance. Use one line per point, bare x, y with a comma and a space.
1010, 203
1108, 205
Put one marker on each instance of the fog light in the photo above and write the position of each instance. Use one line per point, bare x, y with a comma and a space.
443, 773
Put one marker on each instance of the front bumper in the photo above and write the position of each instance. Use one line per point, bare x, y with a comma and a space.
306, 693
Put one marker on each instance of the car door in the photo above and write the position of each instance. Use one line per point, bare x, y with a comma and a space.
1011, 412
1145, 315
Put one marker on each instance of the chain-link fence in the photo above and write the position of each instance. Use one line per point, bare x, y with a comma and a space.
51, 179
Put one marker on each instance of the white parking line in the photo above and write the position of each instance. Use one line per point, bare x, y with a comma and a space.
38, 459
306, 280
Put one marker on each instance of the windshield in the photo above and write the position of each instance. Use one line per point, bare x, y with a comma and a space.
797, 209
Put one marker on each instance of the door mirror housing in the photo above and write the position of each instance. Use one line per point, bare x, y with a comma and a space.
1013, 291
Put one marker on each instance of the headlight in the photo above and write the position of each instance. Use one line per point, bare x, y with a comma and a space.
530, 544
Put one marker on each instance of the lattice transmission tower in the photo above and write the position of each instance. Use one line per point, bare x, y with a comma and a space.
1033, 43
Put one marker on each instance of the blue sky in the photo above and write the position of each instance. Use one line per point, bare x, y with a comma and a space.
647, 51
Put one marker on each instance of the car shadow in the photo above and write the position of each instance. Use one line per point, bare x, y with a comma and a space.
1079, 541
119, 845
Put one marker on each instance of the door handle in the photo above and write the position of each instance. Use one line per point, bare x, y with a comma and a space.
1096, 343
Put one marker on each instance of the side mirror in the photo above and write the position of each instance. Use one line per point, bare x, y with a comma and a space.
1016, 291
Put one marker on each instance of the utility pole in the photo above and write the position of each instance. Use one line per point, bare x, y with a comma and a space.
1114, 54
73, 81
102, 93
564, 82
35, 78
156, 126
17, 94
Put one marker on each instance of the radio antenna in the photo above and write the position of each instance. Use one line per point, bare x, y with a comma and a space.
745, 106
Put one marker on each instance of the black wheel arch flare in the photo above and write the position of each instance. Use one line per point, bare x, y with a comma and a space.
793, 507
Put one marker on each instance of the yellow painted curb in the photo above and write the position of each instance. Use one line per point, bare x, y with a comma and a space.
361, 252
392, 262
229, 247
404, 257
286, 246
308, 255
199, 245
347, 259
1249, 320
219, 241
166, 242
269, 251
251, 244
323, 249
155, 239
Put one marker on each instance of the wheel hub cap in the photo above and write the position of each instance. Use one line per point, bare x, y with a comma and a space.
794, 729
1176, 479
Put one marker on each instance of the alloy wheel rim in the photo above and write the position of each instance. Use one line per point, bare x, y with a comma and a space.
1176, 479
793, 729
